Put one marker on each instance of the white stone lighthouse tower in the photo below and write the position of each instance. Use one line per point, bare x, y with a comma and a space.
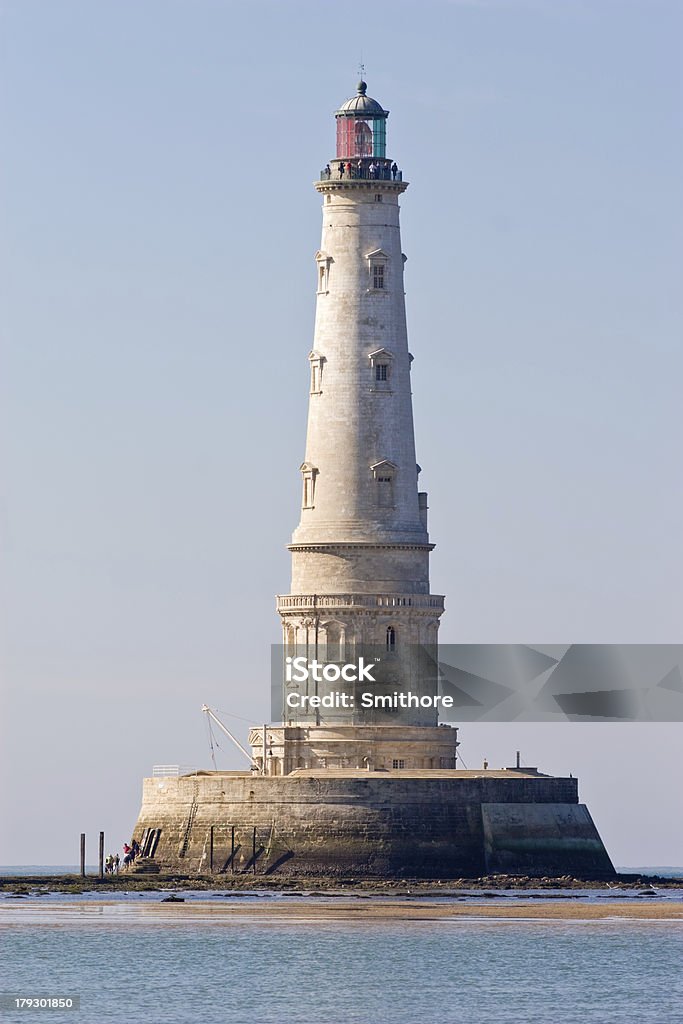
360, 554
353, 790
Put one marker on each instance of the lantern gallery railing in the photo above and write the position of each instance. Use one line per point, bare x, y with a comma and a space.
366, 172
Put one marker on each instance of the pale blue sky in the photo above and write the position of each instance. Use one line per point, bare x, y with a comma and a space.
158, 289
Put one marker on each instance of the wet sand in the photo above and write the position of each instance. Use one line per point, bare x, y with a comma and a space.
361, 911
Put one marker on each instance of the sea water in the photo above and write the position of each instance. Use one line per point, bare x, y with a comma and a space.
127, 964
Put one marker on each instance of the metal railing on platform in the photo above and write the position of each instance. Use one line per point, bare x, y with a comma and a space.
161, 771
361, 174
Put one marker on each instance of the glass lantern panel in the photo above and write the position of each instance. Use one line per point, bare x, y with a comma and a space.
345, 137
362, 139
350, 137
379, 137
340, 137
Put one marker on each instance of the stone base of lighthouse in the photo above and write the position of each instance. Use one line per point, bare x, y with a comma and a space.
350, 823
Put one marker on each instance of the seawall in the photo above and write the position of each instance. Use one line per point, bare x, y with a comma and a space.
378, 825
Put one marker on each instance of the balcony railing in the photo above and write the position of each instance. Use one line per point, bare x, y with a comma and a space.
294, 602
360, 174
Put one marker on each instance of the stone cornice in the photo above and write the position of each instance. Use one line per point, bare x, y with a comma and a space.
351, 184
367, 545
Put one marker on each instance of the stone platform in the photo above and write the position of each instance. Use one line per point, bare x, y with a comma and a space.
374, 824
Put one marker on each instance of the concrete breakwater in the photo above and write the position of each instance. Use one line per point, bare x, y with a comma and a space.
430, 824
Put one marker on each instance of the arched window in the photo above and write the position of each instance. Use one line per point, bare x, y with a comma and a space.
391, 638
333, 636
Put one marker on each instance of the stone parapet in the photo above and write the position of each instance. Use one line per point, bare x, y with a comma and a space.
433, 603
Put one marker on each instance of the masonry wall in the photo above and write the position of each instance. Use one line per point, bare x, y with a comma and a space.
380, 827
355, 422
360, 570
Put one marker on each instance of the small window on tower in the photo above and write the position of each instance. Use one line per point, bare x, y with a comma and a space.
391, 638
398, 762
381, 368
323, 261
384, 473
317, 362
377, 262
385, 496
309, 474
378, 197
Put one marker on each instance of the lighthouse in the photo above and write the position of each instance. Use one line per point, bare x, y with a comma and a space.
336, 787
360, 553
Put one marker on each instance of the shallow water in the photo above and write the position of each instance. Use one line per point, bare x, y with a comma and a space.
252, 896
387, 972
130, 957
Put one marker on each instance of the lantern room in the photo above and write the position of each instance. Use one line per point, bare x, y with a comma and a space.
361, 127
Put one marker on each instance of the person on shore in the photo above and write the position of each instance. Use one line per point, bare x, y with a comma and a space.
109, 864
135, 848
117, 864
